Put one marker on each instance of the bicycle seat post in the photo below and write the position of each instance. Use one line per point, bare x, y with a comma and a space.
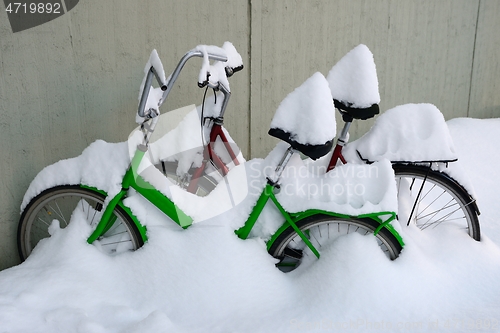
280, 167
344, 134
341, 141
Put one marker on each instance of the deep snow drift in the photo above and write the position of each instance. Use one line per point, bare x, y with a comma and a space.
205, 279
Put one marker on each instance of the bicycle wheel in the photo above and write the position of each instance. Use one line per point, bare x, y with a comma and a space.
435, 199
205, 183
321, 230
58, 203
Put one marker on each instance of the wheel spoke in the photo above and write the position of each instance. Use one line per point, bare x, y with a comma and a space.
44, 222
292, 253
434, 213
316, 239
429, 191
114, 243
423, 210
445, 218
57, 213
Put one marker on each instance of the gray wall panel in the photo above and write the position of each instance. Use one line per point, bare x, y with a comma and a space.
485, 93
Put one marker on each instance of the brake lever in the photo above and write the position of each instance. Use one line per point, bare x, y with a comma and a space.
206, 82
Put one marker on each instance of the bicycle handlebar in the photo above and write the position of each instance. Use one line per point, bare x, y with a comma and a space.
166, 87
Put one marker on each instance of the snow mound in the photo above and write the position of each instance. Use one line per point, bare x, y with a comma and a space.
308, 113
101, 165
353, 80
352, 189
205, 279
409, 132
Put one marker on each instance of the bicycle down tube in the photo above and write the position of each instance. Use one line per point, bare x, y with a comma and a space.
133, 180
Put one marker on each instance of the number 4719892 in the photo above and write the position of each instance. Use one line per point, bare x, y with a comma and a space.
33, 8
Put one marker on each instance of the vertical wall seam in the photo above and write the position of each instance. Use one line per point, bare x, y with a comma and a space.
473, 57
249, 114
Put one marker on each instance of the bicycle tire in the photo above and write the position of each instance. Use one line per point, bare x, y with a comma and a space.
205, 184
58, 203
323, 229
441, 199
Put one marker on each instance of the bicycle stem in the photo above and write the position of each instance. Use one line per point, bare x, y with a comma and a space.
167, 86
227, 95
148, 128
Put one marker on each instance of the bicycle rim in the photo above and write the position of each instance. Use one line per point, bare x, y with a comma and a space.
431, 199
59, 203
322, 230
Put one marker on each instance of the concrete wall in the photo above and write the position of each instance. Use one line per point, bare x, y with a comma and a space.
443, 52
75, 79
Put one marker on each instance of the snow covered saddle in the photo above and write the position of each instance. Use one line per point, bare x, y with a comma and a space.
354, 84
306, 118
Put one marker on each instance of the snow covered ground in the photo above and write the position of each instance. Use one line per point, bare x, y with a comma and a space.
205, 279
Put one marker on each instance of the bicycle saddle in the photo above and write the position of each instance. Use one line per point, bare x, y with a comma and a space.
312, 151
356, 113
305, 119
354, 84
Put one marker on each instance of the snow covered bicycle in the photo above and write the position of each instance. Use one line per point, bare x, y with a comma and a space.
217, 155
301, 230
414, 137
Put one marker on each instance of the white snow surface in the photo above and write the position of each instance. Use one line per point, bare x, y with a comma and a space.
205, 279
308, 112
155, 62
92, 168
233, 57
353, 79
409, 132
351, 189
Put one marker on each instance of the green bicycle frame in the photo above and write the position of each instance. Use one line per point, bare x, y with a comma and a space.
291, 219
133, 180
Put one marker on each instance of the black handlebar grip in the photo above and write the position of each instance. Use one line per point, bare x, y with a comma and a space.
231, 70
